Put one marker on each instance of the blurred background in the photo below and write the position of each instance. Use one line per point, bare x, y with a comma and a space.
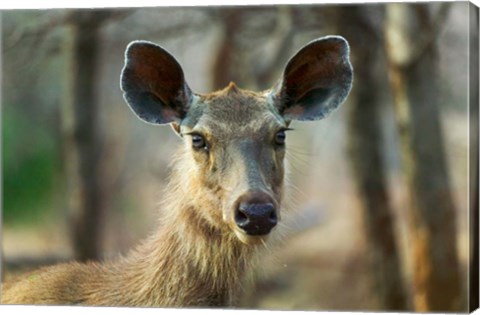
379, 217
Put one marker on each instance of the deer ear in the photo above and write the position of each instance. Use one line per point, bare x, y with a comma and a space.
153, 84
316, 80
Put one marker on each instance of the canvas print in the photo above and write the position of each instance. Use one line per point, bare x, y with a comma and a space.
283, 157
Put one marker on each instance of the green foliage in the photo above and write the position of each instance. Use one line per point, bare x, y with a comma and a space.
29, 167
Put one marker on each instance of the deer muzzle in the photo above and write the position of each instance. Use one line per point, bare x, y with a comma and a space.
256, 213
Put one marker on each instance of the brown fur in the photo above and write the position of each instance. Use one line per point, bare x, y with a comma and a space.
201, 251
193, 259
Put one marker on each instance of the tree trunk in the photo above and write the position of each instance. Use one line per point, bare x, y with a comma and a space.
82, 138
224, 69
410, 45
473, 161
365, 150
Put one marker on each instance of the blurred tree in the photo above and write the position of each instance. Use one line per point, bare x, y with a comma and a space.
365, 148
83, 138
224, 66
411, 34
240, 35
473, 159
56, 35
474, 225
28, 158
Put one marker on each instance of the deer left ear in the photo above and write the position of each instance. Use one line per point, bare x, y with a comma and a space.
154, 84
316, 80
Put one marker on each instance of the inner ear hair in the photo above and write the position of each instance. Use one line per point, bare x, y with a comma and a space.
315, 81
154, 84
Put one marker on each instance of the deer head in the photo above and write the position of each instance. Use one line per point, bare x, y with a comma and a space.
235, 140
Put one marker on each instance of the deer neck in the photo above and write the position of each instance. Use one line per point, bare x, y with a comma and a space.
188, 261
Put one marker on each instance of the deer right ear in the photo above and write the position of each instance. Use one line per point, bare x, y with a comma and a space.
154, 84
316, 80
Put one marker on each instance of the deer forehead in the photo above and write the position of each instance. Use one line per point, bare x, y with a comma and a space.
234, 113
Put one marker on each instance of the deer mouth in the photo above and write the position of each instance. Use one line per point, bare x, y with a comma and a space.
249, 239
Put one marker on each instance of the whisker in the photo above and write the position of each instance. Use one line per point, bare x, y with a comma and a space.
266, 246
301, 151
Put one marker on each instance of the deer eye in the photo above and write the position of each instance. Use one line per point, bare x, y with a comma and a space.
198, 142
280, 137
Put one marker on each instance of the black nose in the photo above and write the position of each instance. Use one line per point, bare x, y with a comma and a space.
256, 218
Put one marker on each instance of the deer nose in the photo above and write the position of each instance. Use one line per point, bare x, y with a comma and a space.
256, 216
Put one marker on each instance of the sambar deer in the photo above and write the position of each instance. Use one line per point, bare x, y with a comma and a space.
226, 188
